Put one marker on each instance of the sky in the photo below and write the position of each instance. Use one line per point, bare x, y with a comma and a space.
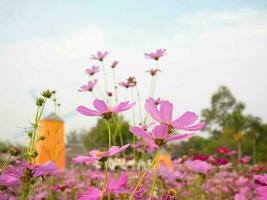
47, 44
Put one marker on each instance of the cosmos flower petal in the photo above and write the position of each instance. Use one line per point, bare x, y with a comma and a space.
166, 109
100, 105
88, 112
152, 110
83, 159
141, 133
180, 137
160, 132
187, 119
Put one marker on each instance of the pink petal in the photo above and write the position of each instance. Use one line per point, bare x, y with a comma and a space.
166, 111
88, 112
123, 106
152, 110
160, 132
141, 133
83, 159
195, 127
100, 105
180, 137
186, 119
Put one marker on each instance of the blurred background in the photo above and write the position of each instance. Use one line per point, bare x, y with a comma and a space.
216, 63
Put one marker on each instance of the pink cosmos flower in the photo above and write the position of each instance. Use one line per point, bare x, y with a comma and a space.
157, 101
125, 84
99, 56
153, 72
103, 110
93, 70
89, 87
158, 54
198, 166
96, 155
113, 187
245, 159
159, 135
18, 171
7, 180
114, 64
91, 194
164, 116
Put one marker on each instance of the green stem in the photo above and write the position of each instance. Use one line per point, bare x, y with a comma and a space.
115, 86
109, 135
154, 177
106, 180
5, 163
144, 175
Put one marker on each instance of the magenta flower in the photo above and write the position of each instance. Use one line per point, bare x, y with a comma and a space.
103, 110
91, 194
19, 171
113, 187
93, 70
89, 87
96, 155
198, 166
158, 54
262, 192
117, 186
164, 116
114, 64
159, 136
99, 56
7, 180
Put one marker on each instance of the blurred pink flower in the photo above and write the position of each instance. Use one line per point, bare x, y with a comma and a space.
93, 70
103, 110
89, 87
159, 135
153, 72
96, 155
113, 187
18, 171
245, 159
99, 56
125, 84
117, 186
198, 166
262, 192
164, 116
114, 64
156, 55
91, 194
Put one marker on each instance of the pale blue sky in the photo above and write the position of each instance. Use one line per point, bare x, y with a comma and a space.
46, 44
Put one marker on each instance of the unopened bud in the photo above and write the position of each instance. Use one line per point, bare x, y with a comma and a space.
14, 151
39, 101
47, 94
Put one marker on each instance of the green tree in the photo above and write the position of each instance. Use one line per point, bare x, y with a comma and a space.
97, 137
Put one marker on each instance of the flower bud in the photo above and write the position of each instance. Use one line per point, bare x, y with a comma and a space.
14, 151
47, 94
39, 101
